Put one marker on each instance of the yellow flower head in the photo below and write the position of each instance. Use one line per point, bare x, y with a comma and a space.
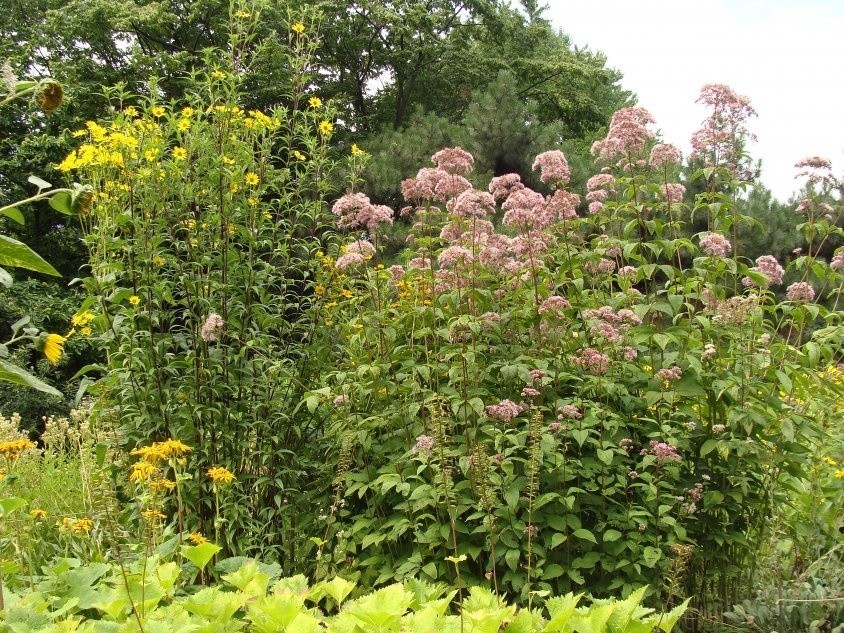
13, 448
241, 14
134, 300
220, 475
298, 28
152, 514
183, 125
188, 111
180, 153
162, 485
218, 74
142, 471
157, 111
326, 128
196, 538
315, 102
37, 513
53, 347
298, 155
356, 151
81, 526
81, 319
251, 178
130, 111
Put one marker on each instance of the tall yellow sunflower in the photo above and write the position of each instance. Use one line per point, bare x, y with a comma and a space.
53, 347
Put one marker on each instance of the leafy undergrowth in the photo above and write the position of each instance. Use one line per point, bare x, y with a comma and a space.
154, 596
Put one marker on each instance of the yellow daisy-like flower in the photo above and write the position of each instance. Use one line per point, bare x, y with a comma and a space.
13, 448
130, 111
241, 14
183, 125
218, 74
253, 202
79, 133
180, 153
162, 485
134, 300
151, 154
298, 155
228, 161
298, 28
173, 448
326, 128
54, 347
37, 513
188, 111
251, 178
315, 102
839, 474
196, 538
81, 526
356, 151
220, 475
157, 111
81, 318
152, 513
86, 331
142, 471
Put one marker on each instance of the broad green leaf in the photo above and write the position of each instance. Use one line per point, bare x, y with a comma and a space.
18, 255
13, 213
10, 504
62, 202
611, 535
584, 535
201, 554
14, 374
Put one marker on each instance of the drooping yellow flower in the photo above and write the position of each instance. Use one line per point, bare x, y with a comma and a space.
54, 347
142, 471
162, 485
196, 538
180, 153
173, 448
326, 128
220, 475
153, 513
37, 513
81, 318
315, 102
356, 151
298, 155
298, 27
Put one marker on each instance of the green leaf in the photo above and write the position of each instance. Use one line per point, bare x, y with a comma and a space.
201, 554
18, 255
651, 556
10, 504
552, 571
669, 619
39, 182
5, 278
62, 202
14, 374
584, 535
13, 213
611, 535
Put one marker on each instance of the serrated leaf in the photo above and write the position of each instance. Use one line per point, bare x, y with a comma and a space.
201, 554
18, 255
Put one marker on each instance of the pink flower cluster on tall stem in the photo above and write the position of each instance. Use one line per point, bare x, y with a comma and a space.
720, 140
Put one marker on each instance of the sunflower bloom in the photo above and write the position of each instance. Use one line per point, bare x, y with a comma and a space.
54, 347
196, 538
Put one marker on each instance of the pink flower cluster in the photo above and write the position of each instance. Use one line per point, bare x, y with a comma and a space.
598, 188
212, 327
592, 361
720, 140
626, 138
663, 451
502, 186
673, 192
664, 155
505, 410
553, 167
454, 160
669, 375
569, 412
837, 262
715, 245
768, 266
801, 292
554, 304
816, 170
424, 444
354, 210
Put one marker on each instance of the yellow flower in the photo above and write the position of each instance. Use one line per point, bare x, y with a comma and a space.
183, 125
152, 513
234, 187
218, 74
220, 475
173, 448
241, 14
326, 128
151, 154
319, 290
228, 161
54, 347
180, 153
37, 513
158, 261
298, 28
134, 300
251, 178
188, 111
81, 318
142, 471
196, 538
157, 111
79, 133
839, 474
130, 111
356, 151
253, 202
13, 448
315, 102
86, 331
81, 526
161, 485
828, 460
298, 155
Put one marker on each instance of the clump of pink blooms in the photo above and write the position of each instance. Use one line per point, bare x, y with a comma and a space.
626, 138
817, 171
720, 140
212, 327
837, 262
664, 155
502, 186
553, 167
554, 304
424, 444
454, 160
673, 192
801, 292
768, 266
592, 361
669, 375
505, 410
569, 412
354, 210
715, 245
598, 189
663, 451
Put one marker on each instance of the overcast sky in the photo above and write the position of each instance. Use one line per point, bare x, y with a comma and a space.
785, 55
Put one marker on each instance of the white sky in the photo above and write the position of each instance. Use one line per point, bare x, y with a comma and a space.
785, 55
